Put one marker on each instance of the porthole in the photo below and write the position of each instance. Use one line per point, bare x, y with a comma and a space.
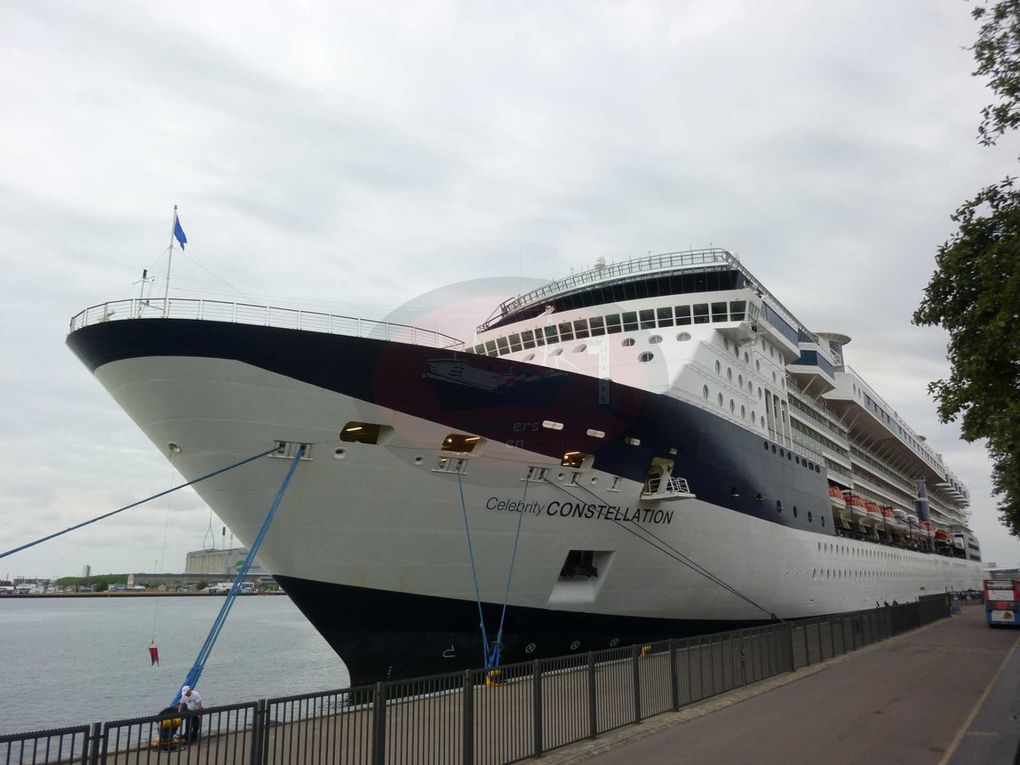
627, 342
733, 406
747, 358
704, 392
720, 398
766, 445
779, 507
740, 381
773, 377
757, 365
683, 337
173, 447
417, 460
718, 367
782, 453
810, 517
794, 511
655, 339
729, 374
580, 348
529, 357
743, 411
646, 357
339, 453
557, 352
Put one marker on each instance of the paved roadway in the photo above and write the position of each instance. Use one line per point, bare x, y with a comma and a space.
947, 693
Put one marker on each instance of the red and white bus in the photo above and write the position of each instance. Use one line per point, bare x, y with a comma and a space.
1002, 597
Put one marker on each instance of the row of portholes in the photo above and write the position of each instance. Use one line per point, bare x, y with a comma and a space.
853, 552
810, 515
791, 456
843, 573
705, 393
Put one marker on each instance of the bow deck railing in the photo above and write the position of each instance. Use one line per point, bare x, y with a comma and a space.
267, 316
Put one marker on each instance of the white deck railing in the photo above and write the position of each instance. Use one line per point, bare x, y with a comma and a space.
266, 316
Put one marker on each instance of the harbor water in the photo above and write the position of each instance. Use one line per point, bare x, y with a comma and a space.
67, 661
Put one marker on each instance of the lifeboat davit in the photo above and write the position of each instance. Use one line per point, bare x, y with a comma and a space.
874, 515
858, 511
839, 503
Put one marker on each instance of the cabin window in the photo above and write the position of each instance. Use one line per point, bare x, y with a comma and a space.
665, 316
598, 326
552, 425
539, 337
718, 312
737, 308
490, 347
654, 339
515, 342
596, 433
701, 313
627, 342
460, 442
630, 321
566, 331
580, 328
550, 335
647, 319
683, 314
503, 345
683, 337
528, 338
613, 323
646, 357
363, 432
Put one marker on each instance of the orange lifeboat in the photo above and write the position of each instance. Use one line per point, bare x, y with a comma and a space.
941, 535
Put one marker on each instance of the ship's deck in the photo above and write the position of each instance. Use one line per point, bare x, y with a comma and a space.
260, 315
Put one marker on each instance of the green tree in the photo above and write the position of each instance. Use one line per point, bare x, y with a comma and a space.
975, 292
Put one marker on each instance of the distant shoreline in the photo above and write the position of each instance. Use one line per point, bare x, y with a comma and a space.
132, 595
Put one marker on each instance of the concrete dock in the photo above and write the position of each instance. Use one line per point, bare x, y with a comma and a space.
947, 693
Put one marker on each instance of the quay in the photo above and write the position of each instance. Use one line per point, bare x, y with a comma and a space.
944, 694
906, 683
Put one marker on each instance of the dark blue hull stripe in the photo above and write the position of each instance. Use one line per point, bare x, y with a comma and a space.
505, 401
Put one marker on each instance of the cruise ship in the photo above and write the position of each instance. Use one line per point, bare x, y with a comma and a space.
655, 447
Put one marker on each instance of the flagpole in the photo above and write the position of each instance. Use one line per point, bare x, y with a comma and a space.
169, 262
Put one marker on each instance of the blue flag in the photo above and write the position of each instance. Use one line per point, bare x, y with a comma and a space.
179, 232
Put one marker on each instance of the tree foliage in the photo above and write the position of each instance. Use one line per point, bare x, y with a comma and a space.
975, 291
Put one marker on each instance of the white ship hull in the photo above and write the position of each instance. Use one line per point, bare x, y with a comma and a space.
371, 540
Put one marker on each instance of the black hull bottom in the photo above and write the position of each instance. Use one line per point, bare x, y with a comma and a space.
401, 636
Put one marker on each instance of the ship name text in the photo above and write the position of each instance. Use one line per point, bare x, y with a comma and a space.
582, 510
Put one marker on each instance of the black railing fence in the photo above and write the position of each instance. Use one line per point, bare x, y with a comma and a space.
475, 717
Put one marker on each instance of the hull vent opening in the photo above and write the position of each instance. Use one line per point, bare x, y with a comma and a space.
581, 576
462, 443
288, 450
365, 433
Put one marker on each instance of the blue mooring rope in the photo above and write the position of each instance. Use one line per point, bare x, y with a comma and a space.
136, 504
497, 646
203, 654
474, 572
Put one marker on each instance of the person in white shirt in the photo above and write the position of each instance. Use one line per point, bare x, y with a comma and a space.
191, 701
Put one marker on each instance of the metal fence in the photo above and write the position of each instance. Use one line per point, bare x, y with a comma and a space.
475, 717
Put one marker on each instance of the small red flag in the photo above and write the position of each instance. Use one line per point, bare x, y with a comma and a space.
153, 655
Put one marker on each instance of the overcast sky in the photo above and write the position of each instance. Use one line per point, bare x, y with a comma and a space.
352, 157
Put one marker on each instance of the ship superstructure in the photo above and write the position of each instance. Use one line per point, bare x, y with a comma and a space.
650, 448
